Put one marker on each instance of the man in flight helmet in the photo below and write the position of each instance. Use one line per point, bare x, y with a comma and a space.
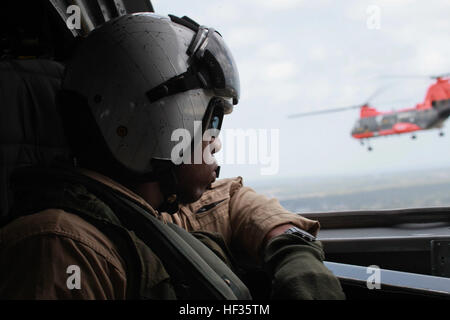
142, 102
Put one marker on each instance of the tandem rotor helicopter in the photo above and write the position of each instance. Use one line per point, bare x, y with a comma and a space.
372, 123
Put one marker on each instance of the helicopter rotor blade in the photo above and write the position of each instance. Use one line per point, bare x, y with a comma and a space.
384, 102
312, 113
443, 75
417, 76
407, 76
368, 101
377, 92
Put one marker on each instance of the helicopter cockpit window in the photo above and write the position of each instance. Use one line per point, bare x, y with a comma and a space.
388, 121
406, 117
357, 124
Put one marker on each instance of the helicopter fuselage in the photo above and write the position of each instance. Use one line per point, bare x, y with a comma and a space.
375, 124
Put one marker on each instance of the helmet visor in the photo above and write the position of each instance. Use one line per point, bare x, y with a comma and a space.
223, 72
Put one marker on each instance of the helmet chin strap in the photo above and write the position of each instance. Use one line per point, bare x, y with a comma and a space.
217, 172
168, 182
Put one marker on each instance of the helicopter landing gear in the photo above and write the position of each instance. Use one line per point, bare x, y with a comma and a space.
362, 142
369, 147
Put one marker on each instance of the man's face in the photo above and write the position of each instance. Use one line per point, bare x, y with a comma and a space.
195, 179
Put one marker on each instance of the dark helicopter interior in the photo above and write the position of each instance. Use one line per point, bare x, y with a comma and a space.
411, 247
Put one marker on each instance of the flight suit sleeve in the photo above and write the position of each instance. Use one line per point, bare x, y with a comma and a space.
253, 215
52, 255
50, 266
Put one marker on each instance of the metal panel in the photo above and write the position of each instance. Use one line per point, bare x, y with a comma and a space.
405, 237
379, 245
440, 258
411, 283
379, 218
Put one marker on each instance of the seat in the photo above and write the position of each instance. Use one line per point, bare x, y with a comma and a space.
31, 131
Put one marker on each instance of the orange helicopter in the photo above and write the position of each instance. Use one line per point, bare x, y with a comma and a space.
430, 114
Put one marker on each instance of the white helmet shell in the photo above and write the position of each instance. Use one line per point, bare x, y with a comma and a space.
113, 69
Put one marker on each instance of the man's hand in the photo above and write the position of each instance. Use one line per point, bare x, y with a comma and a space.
297, 269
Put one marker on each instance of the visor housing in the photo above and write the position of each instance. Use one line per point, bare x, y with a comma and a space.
211, 66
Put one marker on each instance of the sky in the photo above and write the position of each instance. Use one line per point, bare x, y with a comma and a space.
298, 56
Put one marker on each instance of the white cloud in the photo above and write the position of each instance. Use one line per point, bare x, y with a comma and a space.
272, 50
280, 4
245, 36
431, 61
224, 13
318, 53
279, 71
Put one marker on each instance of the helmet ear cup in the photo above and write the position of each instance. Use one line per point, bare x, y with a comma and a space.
87, 142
